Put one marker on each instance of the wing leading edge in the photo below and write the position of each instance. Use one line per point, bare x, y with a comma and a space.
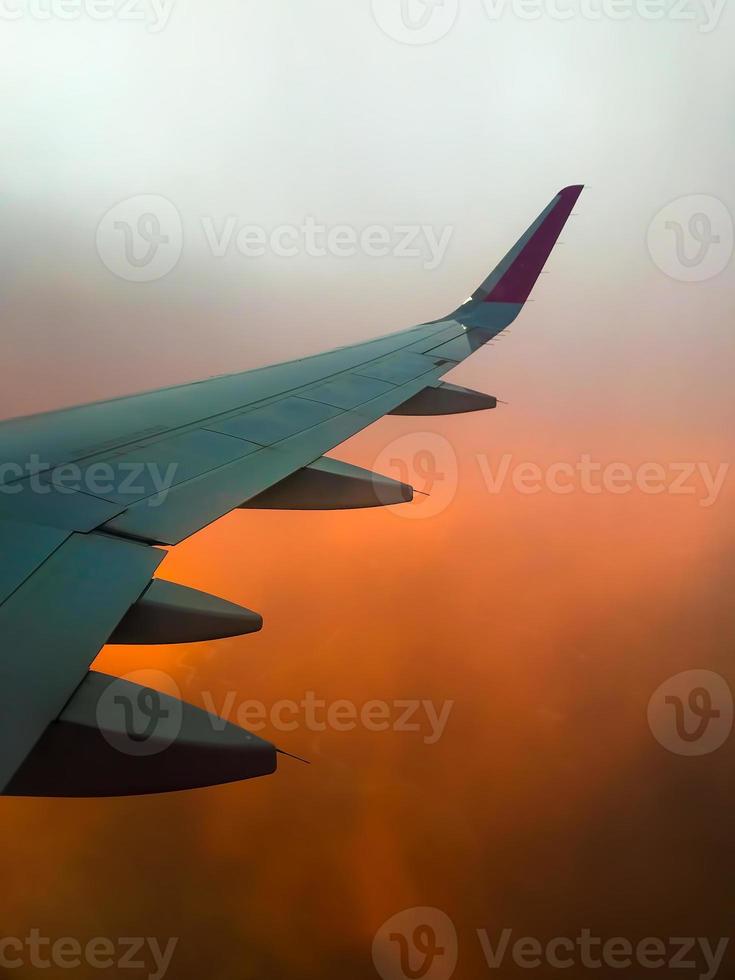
80, 554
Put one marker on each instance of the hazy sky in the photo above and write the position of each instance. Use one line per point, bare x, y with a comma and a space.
549, 619
269, 114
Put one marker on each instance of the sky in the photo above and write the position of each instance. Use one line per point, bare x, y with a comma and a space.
543, 609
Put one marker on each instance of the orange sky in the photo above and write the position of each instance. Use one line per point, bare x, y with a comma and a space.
547, 806
549, 620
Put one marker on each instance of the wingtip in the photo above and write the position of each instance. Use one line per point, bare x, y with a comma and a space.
512, 281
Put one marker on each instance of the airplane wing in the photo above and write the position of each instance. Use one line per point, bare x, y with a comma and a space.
89, 494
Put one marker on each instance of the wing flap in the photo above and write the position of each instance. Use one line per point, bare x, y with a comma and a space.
276, 421
53, 506
23, 548
348, 390
53, 627
127, 477
170, 517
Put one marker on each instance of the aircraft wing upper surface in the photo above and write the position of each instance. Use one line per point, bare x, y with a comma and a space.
87, 493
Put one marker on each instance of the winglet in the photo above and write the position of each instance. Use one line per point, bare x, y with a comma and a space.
514, 278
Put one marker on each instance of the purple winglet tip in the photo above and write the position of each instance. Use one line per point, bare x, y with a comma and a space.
516, 284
